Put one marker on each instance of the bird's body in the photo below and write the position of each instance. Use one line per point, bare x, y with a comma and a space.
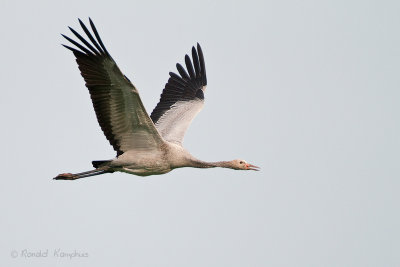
159, 161
145, 145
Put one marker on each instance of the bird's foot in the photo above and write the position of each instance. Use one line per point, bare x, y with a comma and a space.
65, 176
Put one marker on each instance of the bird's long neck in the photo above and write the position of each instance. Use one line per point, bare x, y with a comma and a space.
203, 164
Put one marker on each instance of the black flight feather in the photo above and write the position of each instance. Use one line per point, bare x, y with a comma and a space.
98, 37
88, 34
185, 87
91, 60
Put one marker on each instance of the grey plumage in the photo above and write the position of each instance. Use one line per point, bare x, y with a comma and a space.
145, 145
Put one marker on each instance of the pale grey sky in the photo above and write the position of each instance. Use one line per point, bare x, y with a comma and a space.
308, 90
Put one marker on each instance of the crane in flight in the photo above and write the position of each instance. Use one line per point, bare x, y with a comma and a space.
145, 145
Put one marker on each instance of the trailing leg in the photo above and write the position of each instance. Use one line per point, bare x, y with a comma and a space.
74, 176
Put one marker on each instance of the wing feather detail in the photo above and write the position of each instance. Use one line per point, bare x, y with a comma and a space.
174, 123
182, 98
116, 101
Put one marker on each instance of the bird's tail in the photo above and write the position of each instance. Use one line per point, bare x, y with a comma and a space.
99, 163
74, 176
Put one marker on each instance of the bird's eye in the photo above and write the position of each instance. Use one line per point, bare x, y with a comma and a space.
241, 162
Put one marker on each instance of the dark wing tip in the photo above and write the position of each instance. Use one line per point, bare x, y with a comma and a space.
81, 47
90, 36
202, 65
189, 67
96, 34
185, 87
76, 52
196, 62
195, 70
182, 72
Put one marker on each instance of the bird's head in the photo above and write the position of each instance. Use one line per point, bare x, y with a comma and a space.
240, 164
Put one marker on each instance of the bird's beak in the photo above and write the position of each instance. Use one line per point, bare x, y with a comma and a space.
252, 167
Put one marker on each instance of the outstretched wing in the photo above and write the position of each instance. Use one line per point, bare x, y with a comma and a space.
117, 104
181, 99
